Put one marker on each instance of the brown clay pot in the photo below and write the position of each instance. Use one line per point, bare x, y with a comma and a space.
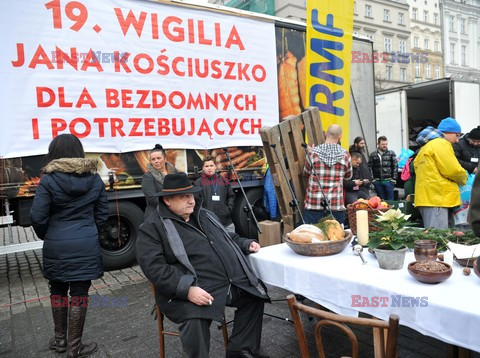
425, 250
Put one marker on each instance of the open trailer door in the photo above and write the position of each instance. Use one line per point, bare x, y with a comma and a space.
392, 119
465, 104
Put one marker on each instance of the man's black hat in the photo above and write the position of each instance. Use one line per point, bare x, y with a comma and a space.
474, 133
178, 183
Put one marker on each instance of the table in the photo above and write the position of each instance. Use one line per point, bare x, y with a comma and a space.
449, 311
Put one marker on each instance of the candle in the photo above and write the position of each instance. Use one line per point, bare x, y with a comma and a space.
362, 227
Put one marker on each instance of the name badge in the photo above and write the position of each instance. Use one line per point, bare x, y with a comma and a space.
474, 160
215, 197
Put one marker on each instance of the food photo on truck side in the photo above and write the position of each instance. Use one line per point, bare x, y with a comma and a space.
187, 140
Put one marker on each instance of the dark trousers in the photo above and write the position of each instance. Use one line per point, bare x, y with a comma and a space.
353, 195
384, 189
246, 333
314, 216
78, 293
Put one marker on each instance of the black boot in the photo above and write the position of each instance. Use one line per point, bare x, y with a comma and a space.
60, 316
76, 320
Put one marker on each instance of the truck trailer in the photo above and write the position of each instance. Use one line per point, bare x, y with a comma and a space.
403, 112
31, 97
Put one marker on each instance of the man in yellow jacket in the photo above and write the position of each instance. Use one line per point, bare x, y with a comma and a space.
439, 174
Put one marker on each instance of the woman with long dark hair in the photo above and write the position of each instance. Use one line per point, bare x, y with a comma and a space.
70, 204
152, 181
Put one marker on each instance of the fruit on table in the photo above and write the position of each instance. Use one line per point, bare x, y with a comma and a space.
361, 204
375, 202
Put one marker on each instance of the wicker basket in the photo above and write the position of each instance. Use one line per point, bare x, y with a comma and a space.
352, 215
324, 248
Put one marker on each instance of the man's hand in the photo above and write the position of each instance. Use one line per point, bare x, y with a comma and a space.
254, 246
199, 296
358, 182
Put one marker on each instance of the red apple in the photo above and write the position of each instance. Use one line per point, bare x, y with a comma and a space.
375, 202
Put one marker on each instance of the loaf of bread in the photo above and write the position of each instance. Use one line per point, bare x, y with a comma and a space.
306, 233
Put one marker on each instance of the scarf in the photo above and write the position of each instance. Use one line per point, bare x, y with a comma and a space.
157, 174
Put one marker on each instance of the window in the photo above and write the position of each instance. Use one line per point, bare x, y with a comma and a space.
425, 16
417, 69
435, 19
386, 15
401, 18
436, 46
415, 41
414, 13
402, 46
437, 71
388, 73
464, 55
427, 70
403, 74
452, 53
387, 44
355, 7
463, 27
368, 10
451, 23
426, 43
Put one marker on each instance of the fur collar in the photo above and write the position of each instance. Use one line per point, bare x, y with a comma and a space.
73, 165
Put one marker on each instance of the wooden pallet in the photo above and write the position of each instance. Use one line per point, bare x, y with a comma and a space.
288, 137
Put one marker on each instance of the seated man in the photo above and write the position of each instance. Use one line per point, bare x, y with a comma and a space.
197, 268
357, 187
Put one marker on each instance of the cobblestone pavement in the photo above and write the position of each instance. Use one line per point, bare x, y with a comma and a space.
129, 330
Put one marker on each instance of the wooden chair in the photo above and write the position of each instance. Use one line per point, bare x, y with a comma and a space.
162, 332
383, 348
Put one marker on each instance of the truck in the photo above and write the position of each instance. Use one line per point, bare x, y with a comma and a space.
404, 111
51, 53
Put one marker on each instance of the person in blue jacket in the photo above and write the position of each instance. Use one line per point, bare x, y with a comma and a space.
70, 204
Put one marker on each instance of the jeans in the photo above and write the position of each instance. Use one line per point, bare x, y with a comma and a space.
314, 216
384, 189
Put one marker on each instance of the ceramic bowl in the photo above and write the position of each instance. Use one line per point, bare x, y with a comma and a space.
430, 276
465, 262
323, 248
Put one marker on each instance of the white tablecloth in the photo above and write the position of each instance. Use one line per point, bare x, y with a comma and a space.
451, 312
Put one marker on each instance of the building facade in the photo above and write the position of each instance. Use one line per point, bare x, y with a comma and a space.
461, 21
387, 24
426, 39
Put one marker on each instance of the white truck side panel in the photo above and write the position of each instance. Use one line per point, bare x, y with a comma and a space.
362, 98
392, 119
466, 104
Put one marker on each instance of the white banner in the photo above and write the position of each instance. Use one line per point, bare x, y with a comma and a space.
123, 75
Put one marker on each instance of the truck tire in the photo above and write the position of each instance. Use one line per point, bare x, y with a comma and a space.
240, 216
119, 235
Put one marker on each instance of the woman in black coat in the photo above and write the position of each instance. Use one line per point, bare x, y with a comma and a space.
152, 181
70, 204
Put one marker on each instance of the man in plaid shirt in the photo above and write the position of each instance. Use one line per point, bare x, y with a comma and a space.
331, 164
